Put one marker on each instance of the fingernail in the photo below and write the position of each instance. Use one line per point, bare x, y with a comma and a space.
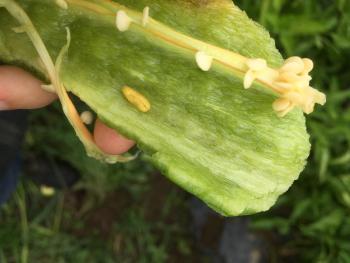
3, 105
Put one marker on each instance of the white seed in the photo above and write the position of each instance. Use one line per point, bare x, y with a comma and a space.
62, 3
292, 67
293, 64
281, 104
308, 65
123, 21
203, 60
87, 117
257, 64
145, 16
248, 79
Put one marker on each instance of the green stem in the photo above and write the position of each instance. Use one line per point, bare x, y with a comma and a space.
24, 224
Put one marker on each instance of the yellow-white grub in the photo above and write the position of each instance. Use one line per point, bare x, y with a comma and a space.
122, 21
47, 190
145, 16
204, 61
136, 99
256, 67
62, 3
87, 117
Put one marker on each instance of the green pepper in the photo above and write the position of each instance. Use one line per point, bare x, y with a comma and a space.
195, 83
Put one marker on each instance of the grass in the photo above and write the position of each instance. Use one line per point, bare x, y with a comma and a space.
112, 214
313, 218
129, 213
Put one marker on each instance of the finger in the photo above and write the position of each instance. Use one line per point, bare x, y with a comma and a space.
109, 140
20, 90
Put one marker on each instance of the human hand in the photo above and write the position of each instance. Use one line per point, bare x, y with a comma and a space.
20, 90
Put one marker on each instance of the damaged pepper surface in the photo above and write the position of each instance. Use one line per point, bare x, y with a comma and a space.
192, 60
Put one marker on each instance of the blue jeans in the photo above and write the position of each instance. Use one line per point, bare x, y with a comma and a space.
9, 180
12, 128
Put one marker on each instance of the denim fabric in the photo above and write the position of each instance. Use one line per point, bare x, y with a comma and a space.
12, 128
9, 180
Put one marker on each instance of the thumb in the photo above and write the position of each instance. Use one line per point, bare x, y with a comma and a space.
20, 90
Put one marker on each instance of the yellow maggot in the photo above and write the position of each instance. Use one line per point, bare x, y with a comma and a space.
136, 99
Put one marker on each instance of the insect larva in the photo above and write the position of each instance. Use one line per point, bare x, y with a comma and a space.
136, 99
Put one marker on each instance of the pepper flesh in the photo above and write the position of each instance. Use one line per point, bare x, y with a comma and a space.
205, 132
